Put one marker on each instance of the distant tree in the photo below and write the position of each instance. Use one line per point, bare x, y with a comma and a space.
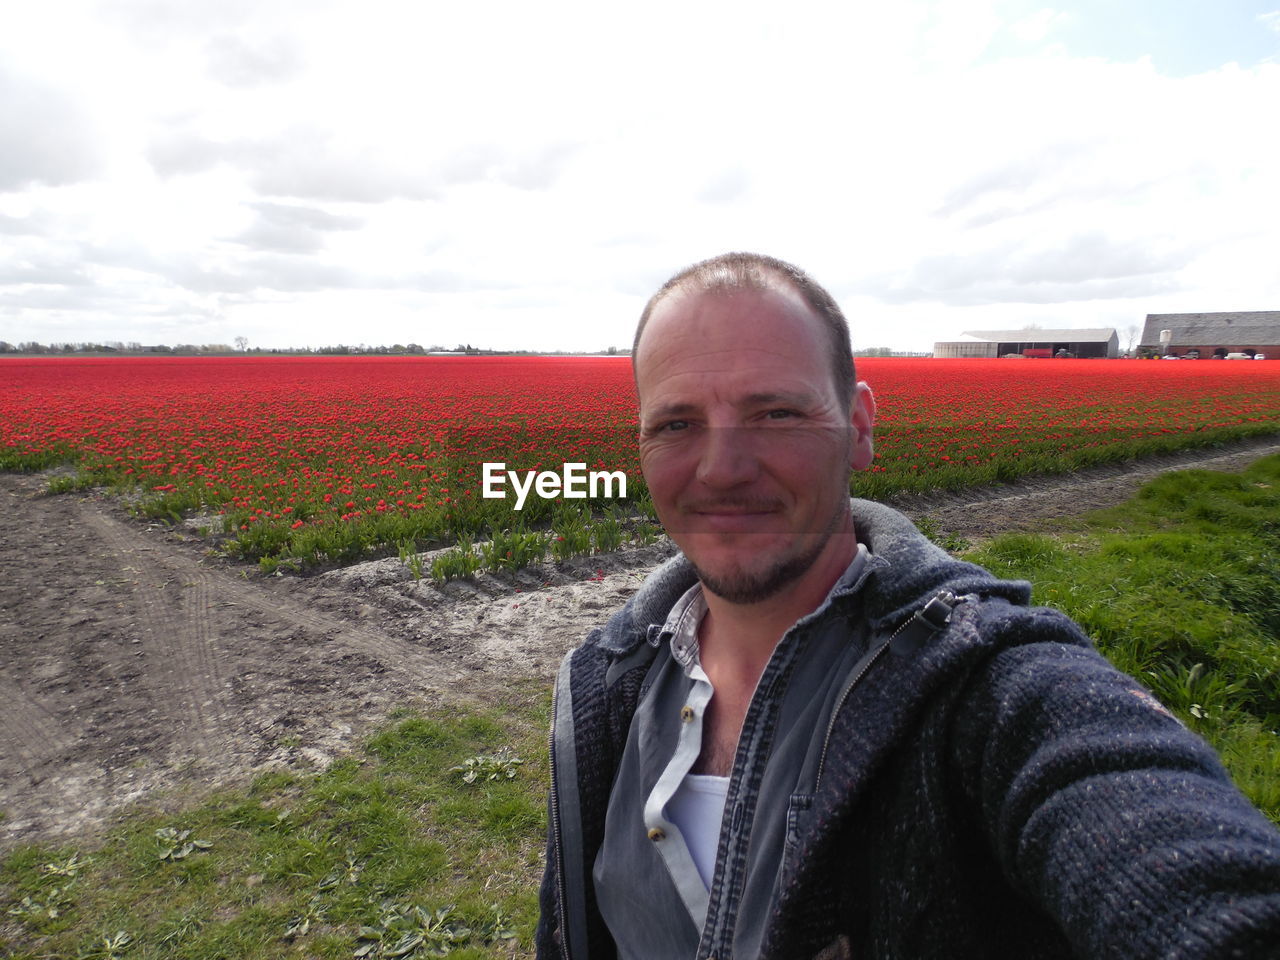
242, 344
1130, 337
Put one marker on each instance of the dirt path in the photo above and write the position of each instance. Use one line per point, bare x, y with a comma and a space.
134, 667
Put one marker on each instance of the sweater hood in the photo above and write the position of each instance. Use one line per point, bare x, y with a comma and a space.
916, 569
911, 570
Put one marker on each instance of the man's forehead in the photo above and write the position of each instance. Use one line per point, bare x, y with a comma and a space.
671, 315
744, 347
692, 293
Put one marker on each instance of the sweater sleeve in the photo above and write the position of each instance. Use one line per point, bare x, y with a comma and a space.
1103, 808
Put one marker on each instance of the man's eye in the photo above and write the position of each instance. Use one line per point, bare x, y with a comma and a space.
781, 414
673, 426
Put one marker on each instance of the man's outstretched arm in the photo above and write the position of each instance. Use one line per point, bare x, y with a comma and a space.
1120, 822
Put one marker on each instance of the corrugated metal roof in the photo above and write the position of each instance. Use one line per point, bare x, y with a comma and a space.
1252, 327
1033, 335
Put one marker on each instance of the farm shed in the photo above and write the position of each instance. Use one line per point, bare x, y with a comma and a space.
1031, 342
1213, 334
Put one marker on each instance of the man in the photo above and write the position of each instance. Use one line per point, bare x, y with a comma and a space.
814, 734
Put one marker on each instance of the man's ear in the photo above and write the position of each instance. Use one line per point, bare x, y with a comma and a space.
863, 418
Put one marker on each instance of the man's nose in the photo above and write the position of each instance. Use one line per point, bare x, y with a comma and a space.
727, 459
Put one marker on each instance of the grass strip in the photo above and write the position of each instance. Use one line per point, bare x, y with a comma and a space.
426, 840
1180, 587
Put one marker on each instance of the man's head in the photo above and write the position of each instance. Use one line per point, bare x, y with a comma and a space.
754, 271
748, 434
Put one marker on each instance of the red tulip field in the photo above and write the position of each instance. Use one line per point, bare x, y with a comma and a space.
328, 459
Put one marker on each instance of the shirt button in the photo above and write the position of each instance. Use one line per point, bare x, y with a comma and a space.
686, 713
656, 834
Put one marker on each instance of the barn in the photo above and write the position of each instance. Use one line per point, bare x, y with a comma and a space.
1031, 342
1212, 334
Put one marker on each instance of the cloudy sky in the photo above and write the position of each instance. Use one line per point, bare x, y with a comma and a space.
516, 174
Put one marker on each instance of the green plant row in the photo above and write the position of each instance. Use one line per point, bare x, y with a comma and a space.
575, 533
303, 537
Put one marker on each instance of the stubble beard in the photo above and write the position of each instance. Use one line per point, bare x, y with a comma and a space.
746, 587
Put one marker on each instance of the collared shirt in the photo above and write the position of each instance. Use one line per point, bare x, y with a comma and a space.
647, 885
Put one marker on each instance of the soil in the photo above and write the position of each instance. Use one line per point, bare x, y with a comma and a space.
138, 668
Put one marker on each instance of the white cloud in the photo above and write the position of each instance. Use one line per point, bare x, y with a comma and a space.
1087, 266
1037, 27
301, 162
45, 136
242, 63
288, 228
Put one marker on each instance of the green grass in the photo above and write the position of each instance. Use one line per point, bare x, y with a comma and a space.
1181, 588
387, 848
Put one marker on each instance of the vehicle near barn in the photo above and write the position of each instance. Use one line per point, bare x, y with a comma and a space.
1031, 342
1222, 335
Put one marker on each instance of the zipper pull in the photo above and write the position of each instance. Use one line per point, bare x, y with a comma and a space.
928, 620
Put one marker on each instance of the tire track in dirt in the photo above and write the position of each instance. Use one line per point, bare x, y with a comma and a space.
401, 656
176, 631
134, 665
25, 721
207, 585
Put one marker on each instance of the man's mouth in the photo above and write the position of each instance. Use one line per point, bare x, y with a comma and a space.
733, 508
732, 516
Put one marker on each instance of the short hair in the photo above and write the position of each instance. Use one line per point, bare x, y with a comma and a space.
731, 272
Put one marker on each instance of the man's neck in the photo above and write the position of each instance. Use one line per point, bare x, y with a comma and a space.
737, 639
735, 642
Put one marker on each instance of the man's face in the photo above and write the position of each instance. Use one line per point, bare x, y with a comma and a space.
744, 442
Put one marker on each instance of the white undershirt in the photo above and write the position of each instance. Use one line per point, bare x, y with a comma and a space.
697, 808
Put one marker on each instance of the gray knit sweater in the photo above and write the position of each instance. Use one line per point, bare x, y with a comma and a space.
1000, 791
